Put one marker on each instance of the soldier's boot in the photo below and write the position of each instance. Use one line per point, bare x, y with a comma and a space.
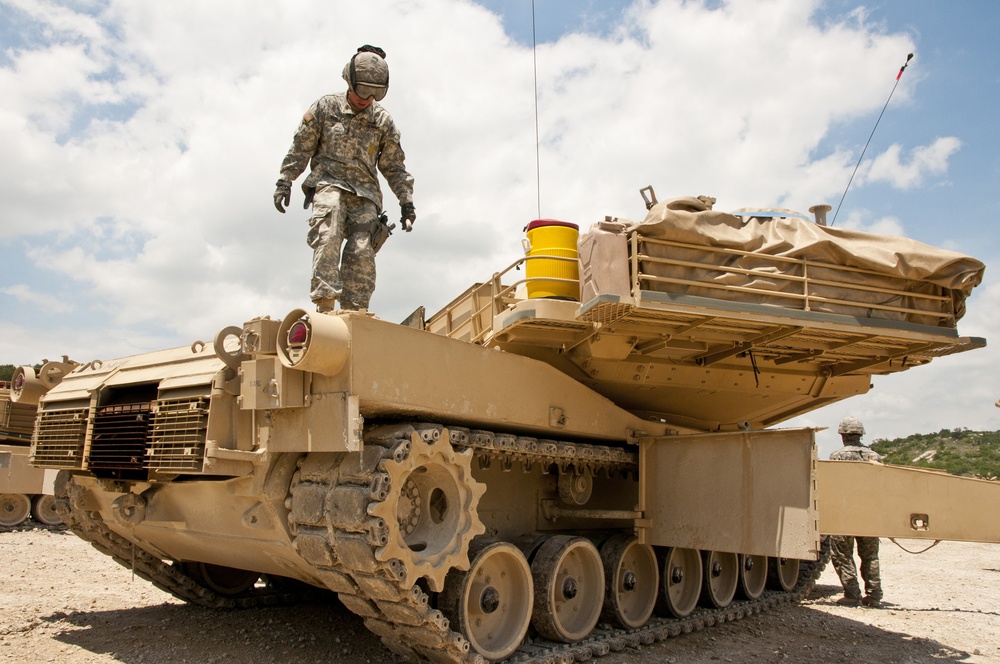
872, 602
325, 305
347, 303
852, 594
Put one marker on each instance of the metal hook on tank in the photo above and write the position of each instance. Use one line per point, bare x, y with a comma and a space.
232, 360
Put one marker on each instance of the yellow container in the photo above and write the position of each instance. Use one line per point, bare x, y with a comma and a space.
549, 242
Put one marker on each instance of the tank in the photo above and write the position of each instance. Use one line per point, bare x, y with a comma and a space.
515, 478
25, 490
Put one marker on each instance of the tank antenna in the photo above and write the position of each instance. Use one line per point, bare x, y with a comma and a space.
898, 76
534, 79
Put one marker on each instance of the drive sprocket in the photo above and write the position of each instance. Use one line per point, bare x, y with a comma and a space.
431, 508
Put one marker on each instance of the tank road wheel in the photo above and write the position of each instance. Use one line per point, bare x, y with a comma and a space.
631, 580
430, 509
782, 573
680, 582
569, 588
43, 510
722, 574
490, 605
753, 576
14, 509
224, 581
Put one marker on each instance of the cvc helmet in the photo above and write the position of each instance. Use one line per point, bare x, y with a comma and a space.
851, 425
367, 74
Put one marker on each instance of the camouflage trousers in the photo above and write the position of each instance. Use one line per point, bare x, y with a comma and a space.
842, 548
342, 219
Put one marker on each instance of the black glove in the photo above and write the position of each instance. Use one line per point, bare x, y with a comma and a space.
282, 195
409, 216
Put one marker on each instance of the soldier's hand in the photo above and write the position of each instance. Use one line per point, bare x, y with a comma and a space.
282, 195
409, 216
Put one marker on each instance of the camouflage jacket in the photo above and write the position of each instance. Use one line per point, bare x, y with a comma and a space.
345, 147
855, 453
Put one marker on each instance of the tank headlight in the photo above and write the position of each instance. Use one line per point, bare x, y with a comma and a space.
320, 343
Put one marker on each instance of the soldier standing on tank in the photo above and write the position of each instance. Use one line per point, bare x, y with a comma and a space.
345, 137
851, 430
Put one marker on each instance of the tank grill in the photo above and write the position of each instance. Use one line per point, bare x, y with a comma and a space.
59, 438
120, 438
179, 429
16, 419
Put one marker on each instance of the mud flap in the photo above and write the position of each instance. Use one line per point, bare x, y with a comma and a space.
742, 492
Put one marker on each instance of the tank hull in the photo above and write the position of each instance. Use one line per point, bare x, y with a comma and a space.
535, 479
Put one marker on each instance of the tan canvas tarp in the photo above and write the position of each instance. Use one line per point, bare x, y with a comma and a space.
897, 270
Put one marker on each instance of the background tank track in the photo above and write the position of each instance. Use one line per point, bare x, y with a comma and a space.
169, 577
343, 547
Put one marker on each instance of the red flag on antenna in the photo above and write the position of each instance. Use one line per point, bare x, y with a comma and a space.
908, 58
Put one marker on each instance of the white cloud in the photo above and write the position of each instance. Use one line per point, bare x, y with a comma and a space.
25, 294
925, 160
860, 220
142, 142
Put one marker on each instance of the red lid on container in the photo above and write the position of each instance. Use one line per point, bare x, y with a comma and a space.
540, 223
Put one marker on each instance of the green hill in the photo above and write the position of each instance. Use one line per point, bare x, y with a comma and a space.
958, 451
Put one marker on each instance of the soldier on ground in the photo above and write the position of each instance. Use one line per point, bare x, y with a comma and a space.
345, 137
851, 430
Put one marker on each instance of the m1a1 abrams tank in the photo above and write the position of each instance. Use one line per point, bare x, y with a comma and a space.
24, 489
548, 468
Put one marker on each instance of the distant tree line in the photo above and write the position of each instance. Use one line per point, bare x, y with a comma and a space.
958, 451
7, 370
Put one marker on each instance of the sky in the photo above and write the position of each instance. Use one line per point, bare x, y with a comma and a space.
141, 143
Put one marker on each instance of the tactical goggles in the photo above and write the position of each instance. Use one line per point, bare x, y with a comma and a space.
365, 91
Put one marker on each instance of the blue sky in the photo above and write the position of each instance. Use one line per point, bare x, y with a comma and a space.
142, 142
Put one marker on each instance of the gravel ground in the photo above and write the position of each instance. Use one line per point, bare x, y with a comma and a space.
62, 601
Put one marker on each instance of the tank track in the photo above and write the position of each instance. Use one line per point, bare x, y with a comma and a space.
168, 577
342, 546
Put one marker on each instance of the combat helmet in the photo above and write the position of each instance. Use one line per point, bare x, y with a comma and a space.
851, 425
367, 73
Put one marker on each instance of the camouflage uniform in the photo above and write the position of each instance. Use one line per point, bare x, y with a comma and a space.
842, 547
344, 147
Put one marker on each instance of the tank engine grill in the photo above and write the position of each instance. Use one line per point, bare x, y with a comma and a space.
179, 429
59, 438
120, 437
16, 419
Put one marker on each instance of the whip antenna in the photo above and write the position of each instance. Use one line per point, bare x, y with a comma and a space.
898, 76
534, 80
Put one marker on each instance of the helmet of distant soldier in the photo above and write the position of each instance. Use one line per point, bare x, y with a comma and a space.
367, 73
851, 425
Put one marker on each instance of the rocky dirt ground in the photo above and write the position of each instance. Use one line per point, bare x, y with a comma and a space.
62, 601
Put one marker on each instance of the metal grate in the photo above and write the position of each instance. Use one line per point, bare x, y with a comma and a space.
16, 419
120, 437
788, 282
179, 430
59, 438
